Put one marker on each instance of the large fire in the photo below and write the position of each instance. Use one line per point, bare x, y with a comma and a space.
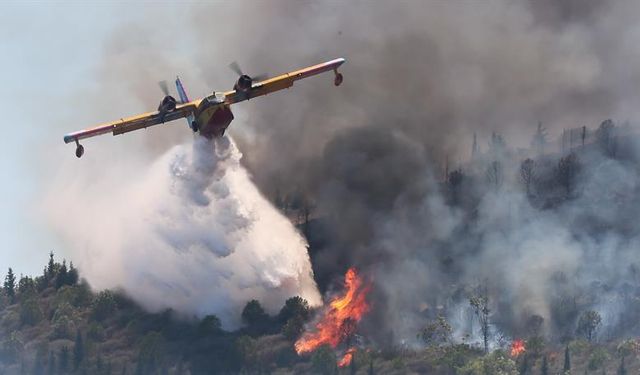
338, 322
517, 348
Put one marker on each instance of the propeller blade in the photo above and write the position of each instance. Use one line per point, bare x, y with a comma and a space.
260, 77
164, 87
236, 68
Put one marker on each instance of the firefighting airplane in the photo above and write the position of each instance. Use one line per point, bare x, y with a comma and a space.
211, 115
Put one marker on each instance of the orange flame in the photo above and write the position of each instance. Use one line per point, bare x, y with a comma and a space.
517, 348
348, 356
339, 320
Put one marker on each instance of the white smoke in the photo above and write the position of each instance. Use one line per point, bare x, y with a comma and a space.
192, 233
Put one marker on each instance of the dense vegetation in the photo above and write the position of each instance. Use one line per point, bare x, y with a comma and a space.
55, 324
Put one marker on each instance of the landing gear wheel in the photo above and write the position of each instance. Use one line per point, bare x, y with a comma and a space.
338, 80
194, 126
79, 151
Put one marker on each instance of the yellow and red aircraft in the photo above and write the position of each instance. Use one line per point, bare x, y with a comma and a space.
210, 116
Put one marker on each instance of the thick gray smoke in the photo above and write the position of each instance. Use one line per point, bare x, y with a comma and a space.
421, 78
191, 233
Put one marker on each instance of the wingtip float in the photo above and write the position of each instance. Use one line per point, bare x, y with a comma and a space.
209, 116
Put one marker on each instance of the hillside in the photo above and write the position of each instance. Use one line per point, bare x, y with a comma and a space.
58, 325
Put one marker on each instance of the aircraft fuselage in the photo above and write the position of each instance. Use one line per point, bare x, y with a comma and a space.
213, 116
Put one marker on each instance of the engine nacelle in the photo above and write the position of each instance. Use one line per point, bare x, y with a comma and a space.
244, 83
168, 104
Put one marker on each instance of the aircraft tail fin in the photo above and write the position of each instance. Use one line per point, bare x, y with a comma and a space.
185, 99
183, 94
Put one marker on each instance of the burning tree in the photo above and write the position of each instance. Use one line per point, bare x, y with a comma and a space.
517, 348
338, 322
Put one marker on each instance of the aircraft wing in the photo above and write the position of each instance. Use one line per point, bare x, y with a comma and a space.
129, 124
283, 81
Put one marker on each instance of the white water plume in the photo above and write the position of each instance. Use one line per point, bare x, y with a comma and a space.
193, 233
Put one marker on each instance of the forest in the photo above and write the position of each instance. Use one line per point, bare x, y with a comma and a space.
578, 319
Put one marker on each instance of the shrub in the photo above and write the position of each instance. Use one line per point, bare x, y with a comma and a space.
496, 363
597, 359
455, 356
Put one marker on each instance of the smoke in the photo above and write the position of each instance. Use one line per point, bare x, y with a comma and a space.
421, 79
191, 233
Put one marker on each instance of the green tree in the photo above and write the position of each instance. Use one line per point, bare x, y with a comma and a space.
294, 306
528, 174
622, 370
480, 305
103, 306
10, 285
437, 332
605, 138
567, 359
247, 348
39, 364
63, 360
72, 275
51, 268
567, 172
150, 354
588, 324
254, 316
26, 287
62, 275
324, 361
524, 365
30, 312
51, 364
12, 348
534, 325
78, 351
209, 325
539, 139
495, 175
293, 328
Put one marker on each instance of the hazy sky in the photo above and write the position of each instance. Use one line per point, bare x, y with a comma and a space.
48, 53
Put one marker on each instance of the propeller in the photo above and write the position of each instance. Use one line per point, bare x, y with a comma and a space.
236, 68
164, 87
